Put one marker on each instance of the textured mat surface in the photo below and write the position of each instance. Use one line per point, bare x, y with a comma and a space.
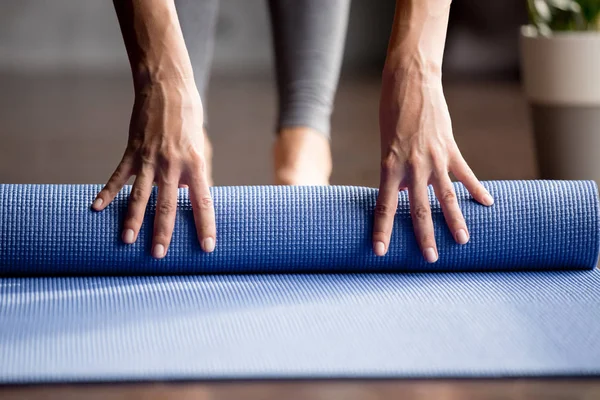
268, 324
300, 326
50, 230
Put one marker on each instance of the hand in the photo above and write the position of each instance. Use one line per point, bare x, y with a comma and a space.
418, 149
165, 146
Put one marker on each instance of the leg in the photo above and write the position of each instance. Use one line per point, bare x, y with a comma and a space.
198, 19
308, 37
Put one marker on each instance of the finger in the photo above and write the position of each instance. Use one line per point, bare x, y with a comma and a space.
138, 199
204, 213
464, 174
446, 195
421, 217
385, 209
164, 220
116, 182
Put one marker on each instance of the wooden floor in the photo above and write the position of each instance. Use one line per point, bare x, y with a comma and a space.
321, 390
74, 129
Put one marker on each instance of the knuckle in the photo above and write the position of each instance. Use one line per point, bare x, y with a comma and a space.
162, 238
166, 208
428, 240
164, 159
414, 160
195, 154
205, 203
134, 144
137, 195
381, 235
168, 157
456, 221
166, 164
118, 175
133, 221
383, 210
165, 153
421, 213
168, 151
128, 158
146, 154
110, 190
207, 228
439, 153
448, 196
390, 162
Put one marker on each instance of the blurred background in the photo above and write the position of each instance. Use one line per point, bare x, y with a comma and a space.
66, 94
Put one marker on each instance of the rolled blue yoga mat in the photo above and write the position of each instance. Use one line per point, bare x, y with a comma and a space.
294, 290
51, 230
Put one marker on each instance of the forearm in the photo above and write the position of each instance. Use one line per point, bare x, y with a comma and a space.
418, 37
153, 40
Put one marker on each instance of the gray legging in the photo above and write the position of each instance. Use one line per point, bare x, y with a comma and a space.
308, 37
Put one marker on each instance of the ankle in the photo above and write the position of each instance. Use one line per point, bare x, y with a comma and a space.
302, 156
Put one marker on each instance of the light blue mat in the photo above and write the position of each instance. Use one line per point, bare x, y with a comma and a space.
271, 323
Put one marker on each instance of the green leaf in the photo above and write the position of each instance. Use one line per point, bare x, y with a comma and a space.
591, 12
564, 15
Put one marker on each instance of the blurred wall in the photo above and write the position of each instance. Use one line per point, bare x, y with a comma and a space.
78, 35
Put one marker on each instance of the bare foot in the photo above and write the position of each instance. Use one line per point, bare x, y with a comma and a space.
302, 157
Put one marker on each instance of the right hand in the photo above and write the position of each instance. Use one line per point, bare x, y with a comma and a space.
166, 146
418, 149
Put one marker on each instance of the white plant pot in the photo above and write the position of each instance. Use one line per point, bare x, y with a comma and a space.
561, 77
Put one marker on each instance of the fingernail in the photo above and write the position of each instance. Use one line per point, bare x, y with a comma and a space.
159, 251
461, 236
430, 255
379, 248
97, 203
488, 200
208, 245
128, 236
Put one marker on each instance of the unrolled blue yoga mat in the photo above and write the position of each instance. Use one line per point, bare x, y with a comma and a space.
294, 291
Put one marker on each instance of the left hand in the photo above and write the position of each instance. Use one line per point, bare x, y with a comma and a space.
166, 146
418, 149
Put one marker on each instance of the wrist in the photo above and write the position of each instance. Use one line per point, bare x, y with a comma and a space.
412, 68
176, 92
145, 74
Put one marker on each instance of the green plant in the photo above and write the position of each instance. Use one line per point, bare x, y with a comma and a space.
564, 15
